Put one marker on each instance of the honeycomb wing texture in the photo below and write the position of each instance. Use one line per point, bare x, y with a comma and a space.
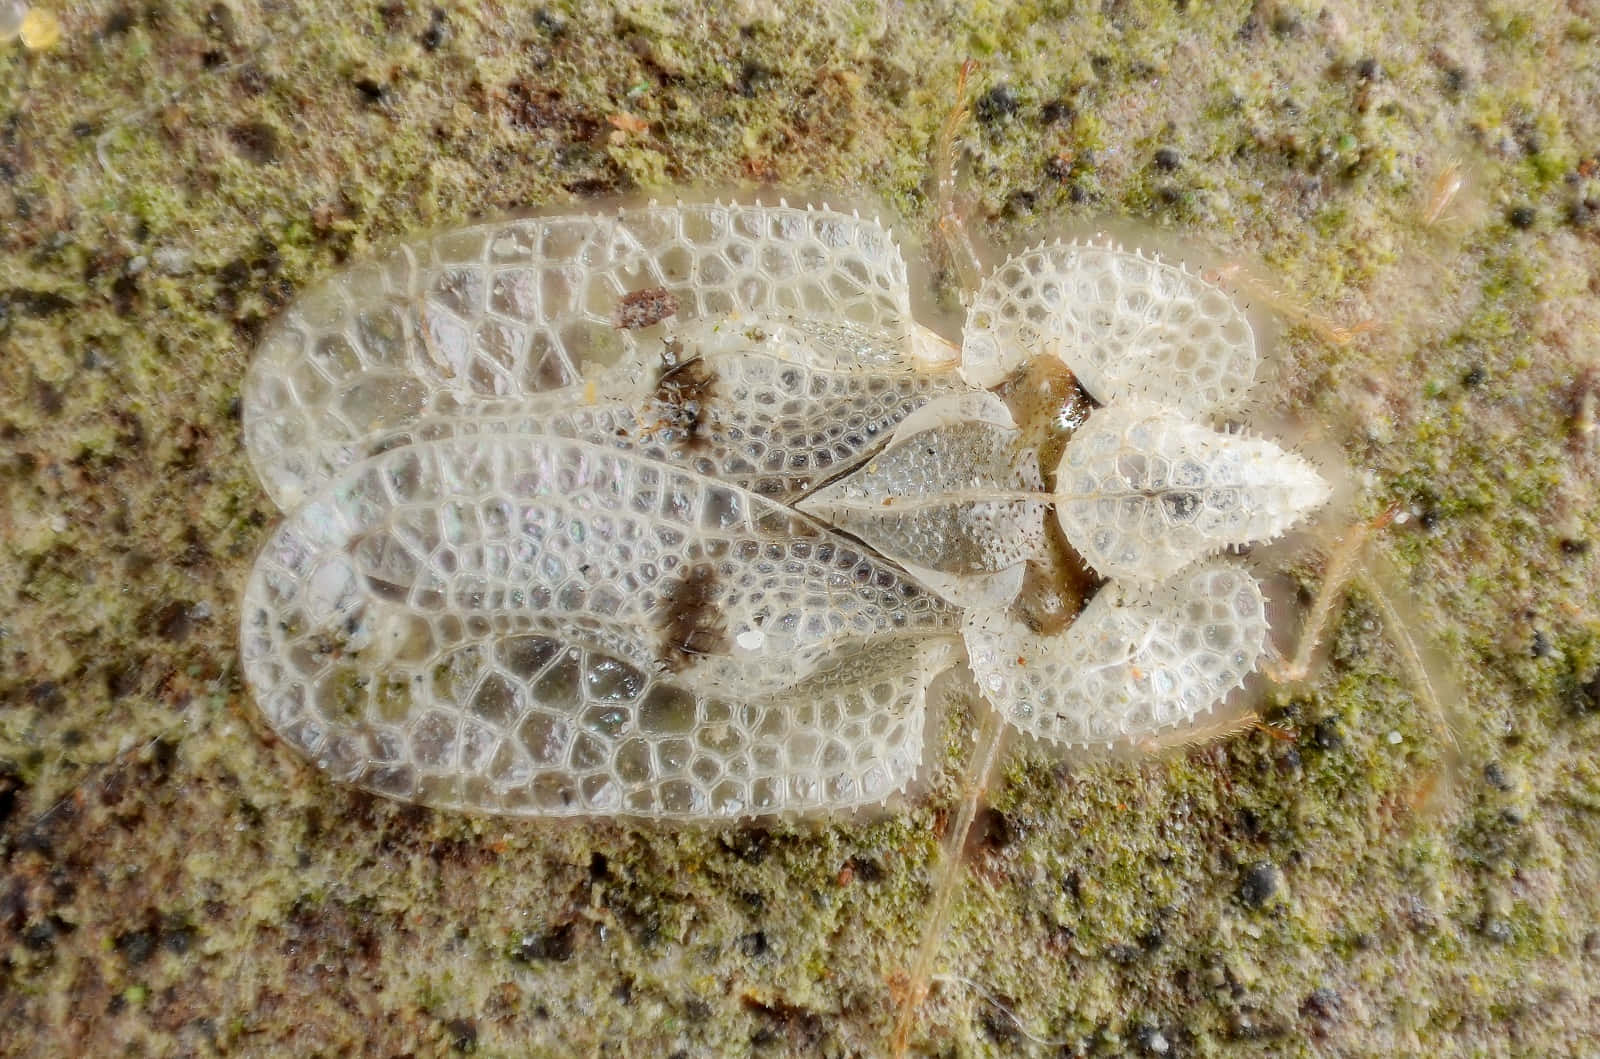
451, 323
1127, 324
1143, 491
927, 500
1139, 659
775, 421
781, 425
544, 626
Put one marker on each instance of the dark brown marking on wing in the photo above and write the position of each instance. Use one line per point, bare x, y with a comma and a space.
691, 625
642, 308
683, 400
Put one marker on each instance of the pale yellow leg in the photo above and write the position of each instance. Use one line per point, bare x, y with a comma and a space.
991, 732
952, 227
1336, 577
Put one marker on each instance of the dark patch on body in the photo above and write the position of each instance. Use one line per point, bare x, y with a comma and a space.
642, 308
691, 625
1055, 589
1048, 404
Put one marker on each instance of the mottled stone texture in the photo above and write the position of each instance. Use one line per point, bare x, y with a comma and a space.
172, 880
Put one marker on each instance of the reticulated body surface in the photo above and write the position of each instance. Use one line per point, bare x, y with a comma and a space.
676, 513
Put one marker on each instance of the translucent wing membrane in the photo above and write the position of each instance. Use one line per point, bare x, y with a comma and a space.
499, 311
1143, 492
773, 415
1126, 324
1136, 661
928, 500
676, 513
537, 625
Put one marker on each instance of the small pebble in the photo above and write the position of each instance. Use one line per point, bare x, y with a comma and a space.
1260, 882
171, 261
39, 30
1394, 738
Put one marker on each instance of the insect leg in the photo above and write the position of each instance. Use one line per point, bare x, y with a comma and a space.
1336, 576
951, 225
975, 779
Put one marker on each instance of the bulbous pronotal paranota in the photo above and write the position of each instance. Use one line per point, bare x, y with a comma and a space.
677, 513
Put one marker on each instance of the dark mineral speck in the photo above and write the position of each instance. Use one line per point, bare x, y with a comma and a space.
1325, 734
748, 844
1586, 696
372, 93
1322, 1004
46, 693
999, 1026
11, 785
463, 1035
867, 870
996, 105
556, 944
1260, 882
255, 141
753, 77
136, 946
1495, 776
1019, 203
117, 23
1058, 112
549, 23
438, 31
1123, 955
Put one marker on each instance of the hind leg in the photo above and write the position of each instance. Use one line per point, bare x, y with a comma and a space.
951, 225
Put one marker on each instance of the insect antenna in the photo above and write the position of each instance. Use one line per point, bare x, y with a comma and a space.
1290, 308
1350, 562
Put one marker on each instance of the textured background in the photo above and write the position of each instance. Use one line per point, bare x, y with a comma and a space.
172, 880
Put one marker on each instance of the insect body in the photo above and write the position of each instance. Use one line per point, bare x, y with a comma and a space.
677, 513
